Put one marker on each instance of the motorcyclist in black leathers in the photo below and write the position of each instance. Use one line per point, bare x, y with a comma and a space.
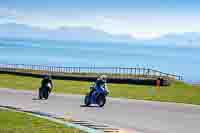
46, 84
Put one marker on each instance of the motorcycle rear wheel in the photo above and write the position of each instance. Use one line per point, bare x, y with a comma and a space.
87, 100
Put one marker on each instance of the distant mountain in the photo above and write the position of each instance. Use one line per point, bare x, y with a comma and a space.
13, 30
22, 31
187, 39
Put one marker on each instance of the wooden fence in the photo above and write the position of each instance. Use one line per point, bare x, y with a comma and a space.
114, 72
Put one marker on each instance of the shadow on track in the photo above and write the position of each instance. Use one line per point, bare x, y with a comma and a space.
90, 106
37, 99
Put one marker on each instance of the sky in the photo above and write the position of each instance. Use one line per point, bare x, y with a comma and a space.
141, 19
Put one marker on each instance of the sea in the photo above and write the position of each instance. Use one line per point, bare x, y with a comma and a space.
184, 61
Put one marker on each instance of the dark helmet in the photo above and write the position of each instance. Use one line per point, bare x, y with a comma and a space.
47, 77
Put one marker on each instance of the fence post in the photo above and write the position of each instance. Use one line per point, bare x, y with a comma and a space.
139, 72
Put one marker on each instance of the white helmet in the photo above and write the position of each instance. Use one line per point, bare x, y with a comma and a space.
103, 77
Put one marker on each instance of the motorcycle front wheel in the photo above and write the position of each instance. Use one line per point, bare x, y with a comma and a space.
46, 93
101, 100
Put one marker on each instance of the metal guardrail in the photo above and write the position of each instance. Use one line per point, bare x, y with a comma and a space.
115, 72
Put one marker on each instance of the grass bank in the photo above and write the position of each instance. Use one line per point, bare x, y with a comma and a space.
15, 122
178, 92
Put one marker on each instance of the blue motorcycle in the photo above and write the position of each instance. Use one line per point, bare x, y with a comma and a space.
94, 97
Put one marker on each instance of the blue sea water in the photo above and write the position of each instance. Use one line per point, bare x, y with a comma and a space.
175, 60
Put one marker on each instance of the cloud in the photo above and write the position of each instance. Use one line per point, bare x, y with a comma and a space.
11, 15
7, 13
150, 25
141, 25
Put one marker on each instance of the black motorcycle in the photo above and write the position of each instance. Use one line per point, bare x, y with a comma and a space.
44, 92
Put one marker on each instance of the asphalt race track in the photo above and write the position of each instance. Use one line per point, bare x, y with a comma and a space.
143, 116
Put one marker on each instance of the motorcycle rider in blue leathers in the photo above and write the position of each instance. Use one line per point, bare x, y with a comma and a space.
100, 86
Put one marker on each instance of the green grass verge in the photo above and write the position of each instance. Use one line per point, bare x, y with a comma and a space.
178, 92
15, 122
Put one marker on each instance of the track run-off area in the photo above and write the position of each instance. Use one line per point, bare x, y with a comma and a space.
130, 115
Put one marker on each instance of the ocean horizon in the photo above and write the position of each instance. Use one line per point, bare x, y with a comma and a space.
174, 60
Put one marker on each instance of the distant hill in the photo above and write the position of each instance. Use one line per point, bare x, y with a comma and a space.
13, 30
187, 39
22, 31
